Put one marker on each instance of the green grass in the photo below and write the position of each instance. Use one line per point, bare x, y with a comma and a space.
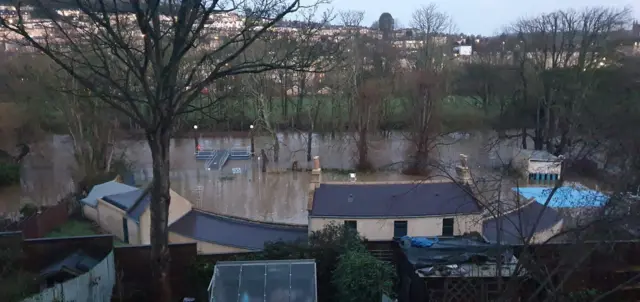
75, 228
394, 110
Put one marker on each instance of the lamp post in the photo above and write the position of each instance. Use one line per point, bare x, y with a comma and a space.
253, 148
195, 137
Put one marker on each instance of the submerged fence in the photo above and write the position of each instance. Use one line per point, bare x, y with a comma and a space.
95, 285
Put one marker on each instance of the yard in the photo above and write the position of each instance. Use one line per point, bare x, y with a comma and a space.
79, 227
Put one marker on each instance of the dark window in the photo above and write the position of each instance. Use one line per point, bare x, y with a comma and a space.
125, 230
399, 228
447, 227
352, 224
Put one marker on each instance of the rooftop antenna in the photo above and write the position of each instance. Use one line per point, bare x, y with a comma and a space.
350, 198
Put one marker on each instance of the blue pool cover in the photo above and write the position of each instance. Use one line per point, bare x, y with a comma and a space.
565, 197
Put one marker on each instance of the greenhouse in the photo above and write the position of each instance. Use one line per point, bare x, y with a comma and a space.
269, 281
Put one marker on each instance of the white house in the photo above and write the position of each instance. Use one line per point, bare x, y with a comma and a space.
381, 211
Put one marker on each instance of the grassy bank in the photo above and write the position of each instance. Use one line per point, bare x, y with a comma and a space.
79, 227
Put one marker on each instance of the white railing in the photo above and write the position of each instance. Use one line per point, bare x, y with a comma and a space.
94, 285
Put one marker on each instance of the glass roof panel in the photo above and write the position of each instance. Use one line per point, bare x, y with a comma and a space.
277, 286
252, 280
303, 282
226, 280
268, 281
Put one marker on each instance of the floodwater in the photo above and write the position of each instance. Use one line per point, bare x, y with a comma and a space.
277, 197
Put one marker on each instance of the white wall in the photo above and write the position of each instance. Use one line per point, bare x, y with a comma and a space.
382, 229
545, 167
110, 219
90, 213
205, 247
178, 207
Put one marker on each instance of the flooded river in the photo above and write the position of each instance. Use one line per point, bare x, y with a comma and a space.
279, 197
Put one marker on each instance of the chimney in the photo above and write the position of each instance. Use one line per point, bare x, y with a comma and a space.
462, 171
316, 179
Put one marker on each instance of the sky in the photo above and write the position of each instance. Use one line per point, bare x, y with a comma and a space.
484, 17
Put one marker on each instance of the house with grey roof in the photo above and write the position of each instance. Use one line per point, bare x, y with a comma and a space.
382, 211
387, 210
123, 211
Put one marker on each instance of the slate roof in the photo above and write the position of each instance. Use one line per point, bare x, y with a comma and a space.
124, 201
520, 223
232, 232
104, 189
133, 202
392, 200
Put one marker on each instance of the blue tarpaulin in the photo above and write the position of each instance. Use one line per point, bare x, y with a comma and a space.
421, 241
564, 197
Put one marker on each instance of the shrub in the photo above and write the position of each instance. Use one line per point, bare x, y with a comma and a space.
360, 277
9, 174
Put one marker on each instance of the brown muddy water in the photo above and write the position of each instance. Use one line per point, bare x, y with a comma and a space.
277, 197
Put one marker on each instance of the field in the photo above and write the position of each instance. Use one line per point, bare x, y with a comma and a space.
229, 114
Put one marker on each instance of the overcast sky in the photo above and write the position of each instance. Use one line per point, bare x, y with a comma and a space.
483, 17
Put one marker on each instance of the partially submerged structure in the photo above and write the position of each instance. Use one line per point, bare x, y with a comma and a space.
537, 165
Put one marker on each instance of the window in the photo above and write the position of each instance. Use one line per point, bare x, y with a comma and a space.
399, 228
352, 224
447, 227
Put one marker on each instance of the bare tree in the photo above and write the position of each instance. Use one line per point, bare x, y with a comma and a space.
425, 92
432, 26
553, 48
133, 56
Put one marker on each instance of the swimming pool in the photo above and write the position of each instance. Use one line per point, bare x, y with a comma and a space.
565, 197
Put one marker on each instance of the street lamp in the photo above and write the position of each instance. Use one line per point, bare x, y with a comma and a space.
195, 138
253, 148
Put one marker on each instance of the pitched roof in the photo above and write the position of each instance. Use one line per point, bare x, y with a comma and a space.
392, 200
133, 202
104, 189
519, 224
233, 232
124, 201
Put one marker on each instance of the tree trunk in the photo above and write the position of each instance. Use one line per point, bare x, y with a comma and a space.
276, 148
309, 143
159, 142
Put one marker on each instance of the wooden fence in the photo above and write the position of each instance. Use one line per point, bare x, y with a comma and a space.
133, 272
40, 224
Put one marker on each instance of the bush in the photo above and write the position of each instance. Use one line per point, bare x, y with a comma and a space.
360, 277
9, 174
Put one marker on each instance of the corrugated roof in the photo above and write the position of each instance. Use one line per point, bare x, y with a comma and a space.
519, 224
104, 189
233, 232
392, 200
124, 201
